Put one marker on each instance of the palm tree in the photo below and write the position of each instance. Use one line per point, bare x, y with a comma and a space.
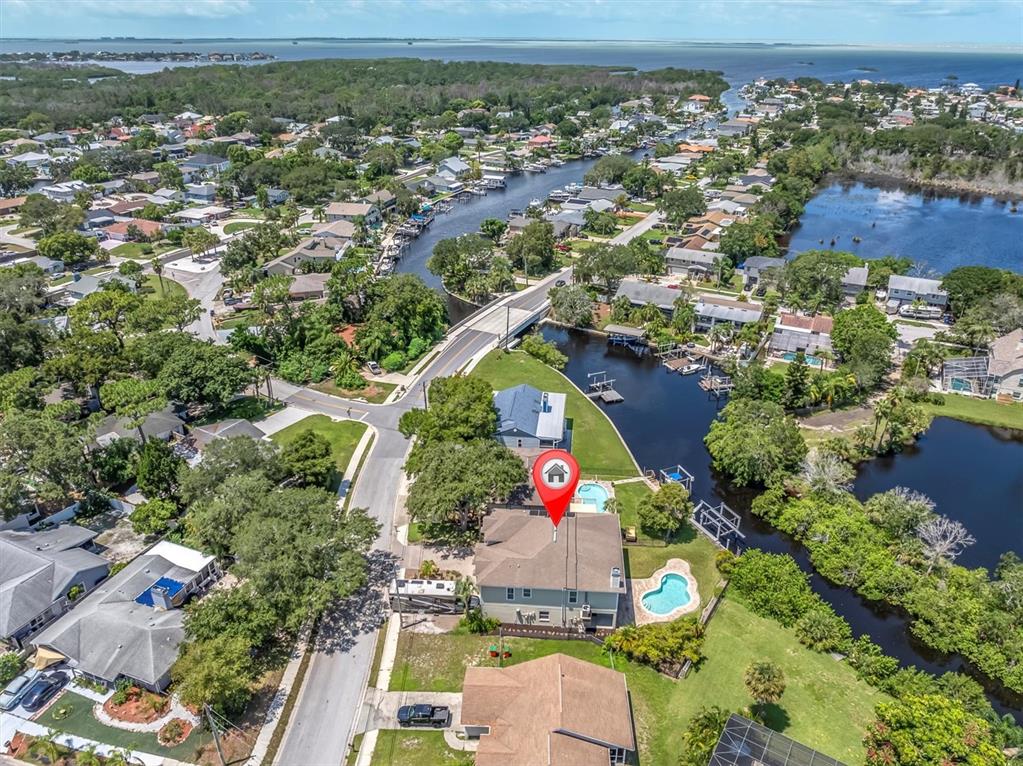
118, 758
318, 213
765, 682
345, 363
465, 589
45, 747
158, 270
88, 757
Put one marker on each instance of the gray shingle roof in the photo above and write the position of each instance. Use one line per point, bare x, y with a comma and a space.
520, 409
642, 293
38, 568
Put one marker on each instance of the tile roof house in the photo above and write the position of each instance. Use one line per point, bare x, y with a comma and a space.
132, 624
795, 332
37, 569
120, 230
527, 576
528, 417
555, 710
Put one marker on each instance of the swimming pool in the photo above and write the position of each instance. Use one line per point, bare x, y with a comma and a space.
594, 494
673, 593
811, 361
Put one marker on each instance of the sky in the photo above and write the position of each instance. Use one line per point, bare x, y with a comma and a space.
874, 22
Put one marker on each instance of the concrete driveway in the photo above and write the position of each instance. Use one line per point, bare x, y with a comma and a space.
381, 708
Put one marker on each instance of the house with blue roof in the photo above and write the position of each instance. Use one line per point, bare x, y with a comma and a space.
530, 418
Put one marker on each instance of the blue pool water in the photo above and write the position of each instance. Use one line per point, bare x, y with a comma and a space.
672, 594
811, 361
594, 494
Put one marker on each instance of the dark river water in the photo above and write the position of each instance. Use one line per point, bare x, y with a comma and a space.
938, 231
739, 62
665, 416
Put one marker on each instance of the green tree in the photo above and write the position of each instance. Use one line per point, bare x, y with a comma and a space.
607, 264
546, 351
216, 672
153, 517
133, 271
236, 613
15, 178
864, 339
664, 511
224, 458
21, 390
133, 400
813, 279
199, 240
572, 305
308, 459
212, 521
929, 730
679, 205
455, 484
743, 240
70, 247
493, 228
968, 285
201, 373
109, 309
45, 746
753, 441
822, 630
797, 382
533, 248
765, 682
157, 471
10, 665
41, 459
460, 409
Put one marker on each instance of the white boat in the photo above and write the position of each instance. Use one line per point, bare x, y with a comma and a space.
689, 369
535, 203
573, 187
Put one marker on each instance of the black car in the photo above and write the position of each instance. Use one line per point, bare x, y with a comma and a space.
560, 283
423, 715
42, 690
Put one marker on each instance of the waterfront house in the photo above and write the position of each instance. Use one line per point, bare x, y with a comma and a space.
794, 333
318, 250
436, 184
42, 574
453, 167
903, 290
351, 211
855, 281
528, 417
1005, 365
526, 575
735, 127
641, 293
555, 710
131, 625
383, 199
696, 104
756, 266
711, 311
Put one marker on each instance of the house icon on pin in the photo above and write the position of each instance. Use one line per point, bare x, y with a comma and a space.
555, 474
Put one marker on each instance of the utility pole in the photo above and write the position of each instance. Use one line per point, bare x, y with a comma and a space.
507, 324
426, 398
216, 733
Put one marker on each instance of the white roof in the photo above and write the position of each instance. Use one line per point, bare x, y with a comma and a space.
918, 285
550, 422
179, 555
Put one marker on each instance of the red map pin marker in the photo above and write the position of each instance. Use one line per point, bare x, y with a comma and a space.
555, 475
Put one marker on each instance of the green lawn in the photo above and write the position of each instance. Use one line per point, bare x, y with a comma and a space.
82, 722
374, 393
154, 287
987, 412
247, 212
343, 436
642, 207
231, 228
824, 705
416, 748
243, 318
134, 250
595, 442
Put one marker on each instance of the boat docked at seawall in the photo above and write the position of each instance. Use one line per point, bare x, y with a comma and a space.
691, 369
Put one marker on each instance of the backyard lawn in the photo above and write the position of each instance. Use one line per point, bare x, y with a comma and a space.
375, 392
236, 226
343, 436
416, 748
824, 705
595, 442
243, 318
82, 722
987, 412
156, 288
244, 407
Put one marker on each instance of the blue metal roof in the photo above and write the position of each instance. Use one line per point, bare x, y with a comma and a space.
173, 588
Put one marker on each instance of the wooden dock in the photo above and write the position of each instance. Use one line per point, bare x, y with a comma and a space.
610, 396
676, 364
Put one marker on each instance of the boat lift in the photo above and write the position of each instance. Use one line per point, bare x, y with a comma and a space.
601, 387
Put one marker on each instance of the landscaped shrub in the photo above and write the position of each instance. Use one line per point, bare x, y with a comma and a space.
665, 645
418, 347
772, 586
394, 361
724, 560
822, 630
475, 622
870, 663
546, 351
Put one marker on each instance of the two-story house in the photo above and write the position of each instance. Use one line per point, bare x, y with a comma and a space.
528, 575
903, 290
350, 211
794, 333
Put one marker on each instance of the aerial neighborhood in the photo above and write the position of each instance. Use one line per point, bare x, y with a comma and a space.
283, 345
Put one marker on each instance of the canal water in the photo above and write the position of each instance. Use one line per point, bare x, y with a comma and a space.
939, 231
665, 416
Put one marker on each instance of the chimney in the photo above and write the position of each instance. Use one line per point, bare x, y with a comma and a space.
161, 598
616, 578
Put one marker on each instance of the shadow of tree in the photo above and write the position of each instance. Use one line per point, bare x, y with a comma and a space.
775, 717
364, 612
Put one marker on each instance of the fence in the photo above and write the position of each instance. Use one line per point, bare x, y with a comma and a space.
705, 615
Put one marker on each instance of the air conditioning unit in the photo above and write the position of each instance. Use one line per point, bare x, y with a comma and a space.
586, 611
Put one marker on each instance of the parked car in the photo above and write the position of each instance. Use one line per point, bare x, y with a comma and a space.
374, 368
16, 689
42, 690
560, 283
424, 715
